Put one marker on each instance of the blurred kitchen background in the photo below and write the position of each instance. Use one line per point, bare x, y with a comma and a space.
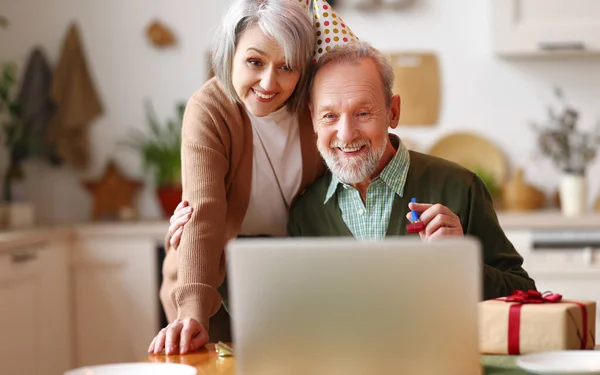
495, 96
474, 76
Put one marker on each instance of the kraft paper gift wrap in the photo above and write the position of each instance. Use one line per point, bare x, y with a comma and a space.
536, 326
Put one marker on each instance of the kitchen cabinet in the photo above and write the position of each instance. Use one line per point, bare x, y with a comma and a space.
115, 278
88, 294
545, 27
562, 261
35, 318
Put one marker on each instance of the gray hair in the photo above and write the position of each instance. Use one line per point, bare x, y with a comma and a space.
284, 21
354, 53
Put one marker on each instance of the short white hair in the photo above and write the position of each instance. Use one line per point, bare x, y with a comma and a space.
285, 21
354, 53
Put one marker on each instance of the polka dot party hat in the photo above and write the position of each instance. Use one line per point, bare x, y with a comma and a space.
330, 28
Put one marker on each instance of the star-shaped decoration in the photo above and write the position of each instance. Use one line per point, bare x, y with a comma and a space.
113, 193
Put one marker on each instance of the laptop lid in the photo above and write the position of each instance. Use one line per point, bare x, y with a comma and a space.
340, 306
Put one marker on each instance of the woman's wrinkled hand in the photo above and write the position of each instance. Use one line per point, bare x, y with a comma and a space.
181, 215
182, 336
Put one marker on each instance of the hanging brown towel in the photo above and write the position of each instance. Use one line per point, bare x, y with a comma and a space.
77, 103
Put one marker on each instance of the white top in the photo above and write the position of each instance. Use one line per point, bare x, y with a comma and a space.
276, 173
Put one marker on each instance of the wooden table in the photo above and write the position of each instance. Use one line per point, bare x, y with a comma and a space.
207, 362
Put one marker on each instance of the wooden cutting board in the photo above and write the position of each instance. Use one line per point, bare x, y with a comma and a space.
418, 84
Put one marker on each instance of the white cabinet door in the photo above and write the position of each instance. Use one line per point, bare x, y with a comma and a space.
574, 273
521, 240
116, 297
539, 27
20, 291
57, 312
34, 310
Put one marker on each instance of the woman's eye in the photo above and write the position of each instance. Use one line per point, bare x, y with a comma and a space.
287, 68
329, 116
253, 62
362, 114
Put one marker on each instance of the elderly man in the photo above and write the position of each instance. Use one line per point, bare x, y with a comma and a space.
373, 176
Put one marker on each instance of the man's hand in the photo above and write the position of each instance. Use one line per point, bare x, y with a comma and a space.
180, 337
439, 221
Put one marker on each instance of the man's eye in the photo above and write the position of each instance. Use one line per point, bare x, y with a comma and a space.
362, 114
329, 116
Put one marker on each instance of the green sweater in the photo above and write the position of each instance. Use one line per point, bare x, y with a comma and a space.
430, 180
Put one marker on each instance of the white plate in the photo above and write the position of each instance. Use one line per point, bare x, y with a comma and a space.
562, 362
135, 369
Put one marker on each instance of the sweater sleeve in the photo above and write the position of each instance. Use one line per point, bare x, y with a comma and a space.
502, 269
200, 260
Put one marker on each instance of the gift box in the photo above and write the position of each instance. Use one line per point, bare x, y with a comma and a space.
530, 322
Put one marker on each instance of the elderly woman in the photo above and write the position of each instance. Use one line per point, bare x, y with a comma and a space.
247, 150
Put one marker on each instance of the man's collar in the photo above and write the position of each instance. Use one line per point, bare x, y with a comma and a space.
393, 175
332, 187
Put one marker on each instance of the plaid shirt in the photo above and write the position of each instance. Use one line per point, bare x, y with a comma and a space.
370, 221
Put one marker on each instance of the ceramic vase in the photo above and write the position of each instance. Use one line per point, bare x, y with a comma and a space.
573, 194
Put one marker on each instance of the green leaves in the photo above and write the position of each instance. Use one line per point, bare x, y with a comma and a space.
160, 146
568, 148
13, 131
8, 81
489, 180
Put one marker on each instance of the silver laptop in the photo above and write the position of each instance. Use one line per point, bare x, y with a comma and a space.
339, 306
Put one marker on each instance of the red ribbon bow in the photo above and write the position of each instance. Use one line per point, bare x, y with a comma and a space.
533, 296
520, 298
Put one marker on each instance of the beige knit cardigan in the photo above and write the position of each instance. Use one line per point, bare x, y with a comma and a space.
216, 156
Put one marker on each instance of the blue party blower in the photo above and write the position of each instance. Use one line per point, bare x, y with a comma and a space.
415, 225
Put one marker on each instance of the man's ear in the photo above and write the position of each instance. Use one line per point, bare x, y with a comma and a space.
394, 111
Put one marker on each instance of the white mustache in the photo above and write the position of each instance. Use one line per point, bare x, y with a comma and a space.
336, 143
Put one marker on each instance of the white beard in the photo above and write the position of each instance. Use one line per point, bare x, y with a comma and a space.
352, 169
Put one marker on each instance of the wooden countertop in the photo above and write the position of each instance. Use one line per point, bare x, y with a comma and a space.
534, 221
547, 220
207, 362
11, 239
33, 236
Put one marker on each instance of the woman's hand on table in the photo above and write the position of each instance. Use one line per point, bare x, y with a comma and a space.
181, 215
182, 336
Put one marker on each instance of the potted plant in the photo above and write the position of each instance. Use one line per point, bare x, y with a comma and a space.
160, 150
13, 134
571, 150
489, 180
